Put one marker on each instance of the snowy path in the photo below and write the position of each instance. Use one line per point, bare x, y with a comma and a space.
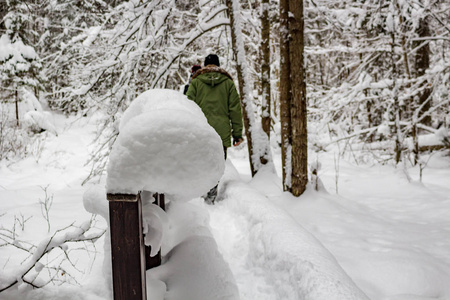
230, 234
271, 255
391, 236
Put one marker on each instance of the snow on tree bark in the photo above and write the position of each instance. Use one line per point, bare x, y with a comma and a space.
265, 67
422, 64
285, 96
258, 142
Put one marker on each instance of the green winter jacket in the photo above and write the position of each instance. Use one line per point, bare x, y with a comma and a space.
213, 90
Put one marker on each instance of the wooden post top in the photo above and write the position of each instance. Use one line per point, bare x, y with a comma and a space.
122, 197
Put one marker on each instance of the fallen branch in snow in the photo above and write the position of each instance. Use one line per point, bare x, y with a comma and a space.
425, 148
388, 145
440, 142
355, 134
59, 240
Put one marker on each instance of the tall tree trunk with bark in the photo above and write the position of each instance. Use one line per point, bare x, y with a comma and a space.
422, 63
265, 67
3, 12
258, 142
423, 104
16, 93
298, 101
285, 95
396, 106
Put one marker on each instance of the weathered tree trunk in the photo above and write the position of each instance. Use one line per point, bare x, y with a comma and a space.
285, 95
415, 141
17, 105
3, 12
298, 101
422, 63
409, 103
398, 135
258, 142
265, 67
369, 104
403, 43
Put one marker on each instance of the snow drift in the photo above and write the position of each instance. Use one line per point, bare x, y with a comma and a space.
290, 257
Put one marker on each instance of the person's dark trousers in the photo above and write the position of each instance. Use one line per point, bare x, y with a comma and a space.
212, 194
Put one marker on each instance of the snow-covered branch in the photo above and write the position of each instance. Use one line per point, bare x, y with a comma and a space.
201, 29
60, 239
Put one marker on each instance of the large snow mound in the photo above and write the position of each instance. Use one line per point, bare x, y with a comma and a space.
194, 269
165, 145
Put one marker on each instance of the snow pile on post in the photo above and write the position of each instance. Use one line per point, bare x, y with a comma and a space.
165, 145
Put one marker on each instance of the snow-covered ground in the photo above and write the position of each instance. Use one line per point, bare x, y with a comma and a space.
381, 235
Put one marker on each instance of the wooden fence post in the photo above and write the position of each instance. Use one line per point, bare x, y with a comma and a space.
127, 247
155, 261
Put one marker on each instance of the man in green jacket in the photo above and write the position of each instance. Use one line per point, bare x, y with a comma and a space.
212, 88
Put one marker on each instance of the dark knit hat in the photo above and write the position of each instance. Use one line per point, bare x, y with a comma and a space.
212, 59
195, 68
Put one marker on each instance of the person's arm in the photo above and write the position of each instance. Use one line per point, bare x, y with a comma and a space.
192, 90
234, 107
237, 141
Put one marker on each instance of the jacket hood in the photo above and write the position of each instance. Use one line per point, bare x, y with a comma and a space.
212, 75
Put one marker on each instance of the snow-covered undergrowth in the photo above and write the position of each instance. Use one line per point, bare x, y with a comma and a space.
381, 235
17, 142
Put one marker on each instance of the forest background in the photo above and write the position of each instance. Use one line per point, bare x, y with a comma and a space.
376, 72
